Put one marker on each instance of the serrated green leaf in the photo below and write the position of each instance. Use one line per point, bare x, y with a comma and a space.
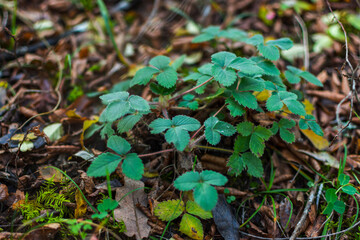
143, 76
213, 178
138, 103
262, 132
206, 196
233, 34
246, 99
349, 190
159, 125
330, 195
169, 210
132, 166
187, 181
235, 164
316, 128
107, 205
179, 137
268, 67
291, 77
160, 62
275, 128
282, 43
246, 66
193, 76
311, 78
128, 122
104, 163
178, 62
114, 111
223, 59
339, 206
224, 128
329, 208
225, 76
192, 227
206, 69
195, 209
118, 144
285, 134
245, 128
253, 164
257, 145
235, 108
107, 130
295, 107
255, 40
251, 84
194, 105
167, 78
241, 144
344, 179
213, 137
204, 37
114, 97
274, 103
269, 52
186, 123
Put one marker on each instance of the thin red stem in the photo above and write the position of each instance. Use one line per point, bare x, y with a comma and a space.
190, 90
155, 153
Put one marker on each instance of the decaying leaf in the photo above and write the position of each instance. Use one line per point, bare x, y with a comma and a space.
81, 205
135, 221
319, 142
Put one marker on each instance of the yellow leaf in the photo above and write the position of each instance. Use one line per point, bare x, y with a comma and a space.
308, 106
319, 142
20, 137
81, 206
86, 125
192, 227
263, 95
50, 173
72, 114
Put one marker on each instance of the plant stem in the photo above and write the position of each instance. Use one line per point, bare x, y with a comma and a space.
215, 148
190, 90
155, 153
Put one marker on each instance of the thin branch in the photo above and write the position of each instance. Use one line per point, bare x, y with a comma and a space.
190, 90
300, 224
155, 153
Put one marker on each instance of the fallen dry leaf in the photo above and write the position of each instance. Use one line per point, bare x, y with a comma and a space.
135, 221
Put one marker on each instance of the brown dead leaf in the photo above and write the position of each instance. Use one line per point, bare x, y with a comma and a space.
4, 194
135, 221
44, 233
333, 96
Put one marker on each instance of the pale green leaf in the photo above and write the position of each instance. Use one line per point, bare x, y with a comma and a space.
143, 76
270, 52
128, 122
118, 144
138, 103
179, 137
187, 181
282, 43
206, 196
213, 178
167, 78
223, 59
186, 123
160, 62
103, 164
132, 166
114, 97
159, 125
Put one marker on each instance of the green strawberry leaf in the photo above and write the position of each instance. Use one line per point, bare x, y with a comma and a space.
223, 59
268, 51
103, 164
282, 43
128, 122
186, 123
253, 164
143, 76
159, 125
119, 145
167, 78
187, 181
245, 99
213, 178
206, 196
225, 76
236, 164
178, 136
235, 108
160, 62
132, 166
138, 103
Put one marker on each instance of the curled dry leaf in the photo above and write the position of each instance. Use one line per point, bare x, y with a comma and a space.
4, 194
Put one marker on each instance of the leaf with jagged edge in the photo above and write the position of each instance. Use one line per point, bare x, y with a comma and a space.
268, 51
253, 164
169, 210
284, 126
195, 209
236, 164
192, 227
143, 76
235, 108
225, 76
167, 77
132, 166
103, 164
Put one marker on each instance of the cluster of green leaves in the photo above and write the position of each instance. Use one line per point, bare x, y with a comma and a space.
238, 80
106, 163
189, 224
204, 194
332, 198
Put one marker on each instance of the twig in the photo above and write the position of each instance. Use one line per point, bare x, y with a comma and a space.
190, 90
305, 41
300, 224
154, 153
352, 79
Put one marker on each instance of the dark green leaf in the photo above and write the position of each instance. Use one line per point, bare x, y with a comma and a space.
132, 166
103, 164
118, 144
